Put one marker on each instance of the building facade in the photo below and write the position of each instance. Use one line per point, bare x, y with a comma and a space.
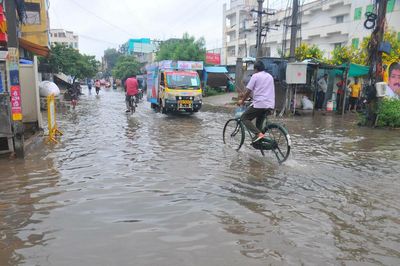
142, 48
37, 24
327, 24
64, 37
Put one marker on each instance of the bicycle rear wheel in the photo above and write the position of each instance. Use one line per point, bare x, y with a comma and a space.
233, 134
132, 105
280, 141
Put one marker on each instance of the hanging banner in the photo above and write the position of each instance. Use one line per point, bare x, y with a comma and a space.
213, 59
393, 78
3, 28
16, 109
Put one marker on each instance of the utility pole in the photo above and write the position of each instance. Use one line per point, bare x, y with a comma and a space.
13, 69
260, 12
378, 34
259, 27
375, 59
293, 32
293, 37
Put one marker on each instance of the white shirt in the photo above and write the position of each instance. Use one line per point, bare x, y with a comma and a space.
323, 85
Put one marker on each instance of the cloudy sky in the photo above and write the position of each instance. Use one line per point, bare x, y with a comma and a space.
101, 24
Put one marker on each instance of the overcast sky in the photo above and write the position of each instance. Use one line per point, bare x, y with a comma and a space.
101, 24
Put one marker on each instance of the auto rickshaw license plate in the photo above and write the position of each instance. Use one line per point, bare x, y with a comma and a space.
185, 104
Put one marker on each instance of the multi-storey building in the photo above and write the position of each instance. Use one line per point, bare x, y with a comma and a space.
36, 27
64, 37
325, 23
142, 48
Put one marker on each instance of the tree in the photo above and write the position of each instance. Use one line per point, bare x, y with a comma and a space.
306, 51
394, 56
111, 56
69, 61
345, 54
126, 66
187, 48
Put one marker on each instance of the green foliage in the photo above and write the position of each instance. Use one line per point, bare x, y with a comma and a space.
209, 91
126, 66
389, 113
394, 56
111, 57
306, 51
345, 54
69, 61
186, 48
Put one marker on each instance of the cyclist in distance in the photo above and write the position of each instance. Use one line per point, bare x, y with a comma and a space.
262, 89
131, 90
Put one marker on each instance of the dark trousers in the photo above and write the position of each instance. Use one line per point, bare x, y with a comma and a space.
320, 99
252, 113
353, 103
338, 101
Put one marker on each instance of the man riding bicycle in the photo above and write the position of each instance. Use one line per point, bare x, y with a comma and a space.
262, 89
131, 89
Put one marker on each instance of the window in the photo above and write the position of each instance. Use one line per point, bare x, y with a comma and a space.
355, 42
370, 8
357, 13
337, 45
183, 80
398, 36
32, 13
61, 34
390, 5
339, 19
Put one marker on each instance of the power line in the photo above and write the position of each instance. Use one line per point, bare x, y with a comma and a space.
100, 18
96, 39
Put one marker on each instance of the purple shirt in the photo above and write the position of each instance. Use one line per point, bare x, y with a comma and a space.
262, 87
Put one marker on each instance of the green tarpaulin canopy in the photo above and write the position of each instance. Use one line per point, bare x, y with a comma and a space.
355, 70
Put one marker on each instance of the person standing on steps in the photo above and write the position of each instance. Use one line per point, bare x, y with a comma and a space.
322, 89
355, 94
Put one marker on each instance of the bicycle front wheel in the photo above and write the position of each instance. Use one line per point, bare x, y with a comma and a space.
233, 134
280, 141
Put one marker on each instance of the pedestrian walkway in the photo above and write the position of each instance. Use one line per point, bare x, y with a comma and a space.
229, 98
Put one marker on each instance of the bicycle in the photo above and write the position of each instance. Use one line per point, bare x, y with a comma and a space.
277, 138
132, 104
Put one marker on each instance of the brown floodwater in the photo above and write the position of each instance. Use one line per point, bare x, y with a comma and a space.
151, 189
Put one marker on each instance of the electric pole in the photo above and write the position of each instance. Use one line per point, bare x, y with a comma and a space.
375, 59
13, 67
293, 32
259, 27
379, 33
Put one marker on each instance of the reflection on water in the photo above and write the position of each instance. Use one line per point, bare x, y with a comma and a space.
150, 189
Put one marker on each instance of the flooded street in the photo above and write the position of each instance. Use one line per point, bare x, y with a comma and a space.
151, 189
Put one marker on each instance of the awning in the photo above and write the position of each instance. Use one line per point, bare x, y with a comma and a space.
63, 77
355, 70
215, 69
34, 48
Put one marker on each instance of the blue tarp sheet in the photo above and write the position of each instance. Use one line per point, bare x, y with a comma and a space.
25, 62
215, 69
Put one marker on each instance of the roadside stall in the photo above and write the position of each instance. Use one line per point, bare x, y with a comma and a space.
216, 77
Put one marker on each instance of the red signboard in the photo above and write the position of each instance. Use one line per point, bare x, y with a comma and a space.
16, 109
3, 26
213, 59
